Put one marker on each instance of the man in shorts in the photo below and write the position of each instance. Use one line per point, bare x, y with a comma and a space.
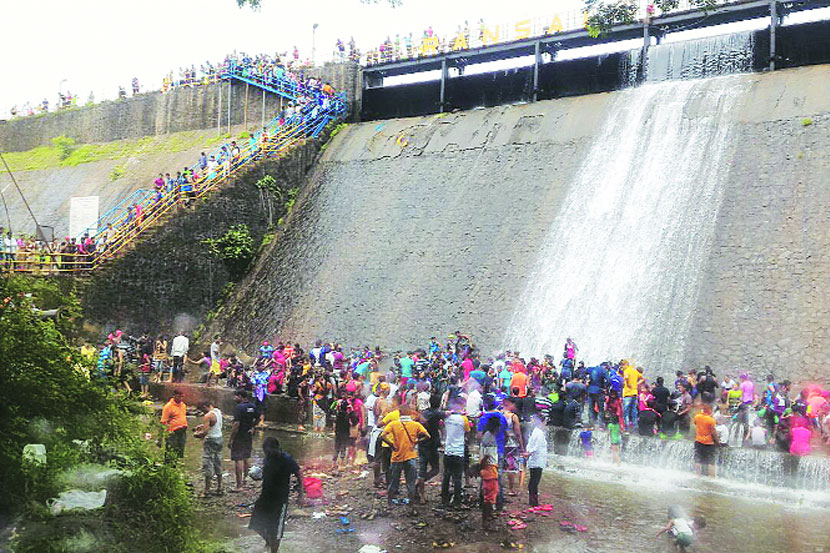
706, 441
245, 417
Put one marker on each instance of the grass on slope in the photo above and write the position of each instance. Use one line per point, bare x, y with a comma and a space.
49, 157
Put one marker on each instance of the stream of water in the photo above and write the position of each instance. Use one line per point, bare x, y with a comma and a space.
619, 270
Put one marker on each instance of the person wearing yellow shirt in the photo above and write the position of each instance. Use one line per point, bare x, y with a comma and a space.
403, 435
632, 377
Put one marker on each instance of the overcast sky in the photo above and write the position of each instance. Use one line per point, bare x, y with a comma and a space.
97, 45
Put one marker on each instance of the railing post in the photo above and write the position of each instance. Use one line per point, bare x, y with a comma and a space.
263, 110
773, 25
444, 75
230, 95
219, 112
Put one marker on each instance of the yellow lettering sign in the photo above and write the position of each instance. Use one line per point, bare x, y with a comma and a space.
523, 29
555, 26
489, 37
460, 42
429, 46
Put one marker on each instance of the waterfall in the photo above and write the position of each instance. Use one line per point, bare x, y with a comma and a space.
692, 59
705, 57
764, 467
619, 268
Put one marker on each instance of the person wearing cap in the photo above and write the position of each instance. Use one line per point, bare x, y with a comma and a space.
174, 419
403, 435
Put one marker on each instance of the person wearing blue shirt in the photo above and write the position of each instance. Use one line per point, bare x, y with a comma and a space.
596, 384
434, 346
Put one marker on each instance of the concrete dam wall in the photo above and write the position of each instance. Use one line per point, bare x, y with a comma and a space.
676, 223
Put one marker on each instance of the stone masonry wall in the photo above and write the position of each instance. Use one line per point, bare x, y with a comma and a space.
154, 113
169, 275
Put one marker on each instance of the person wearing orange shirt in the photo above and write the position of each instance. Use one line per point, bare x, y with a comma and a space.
174, 418
403, 435
706, 441
518, 384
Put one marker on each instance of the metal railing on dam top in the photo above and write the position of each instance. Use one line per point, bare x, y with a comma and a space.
488, 42
123, 224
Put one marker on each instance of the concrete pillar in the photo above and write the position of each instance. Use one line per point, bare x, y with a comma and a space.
773, 25
537, 61
444, 77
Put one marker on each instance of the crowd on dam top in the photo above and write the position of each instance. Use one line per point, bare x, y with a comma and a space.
207, 73
29, 254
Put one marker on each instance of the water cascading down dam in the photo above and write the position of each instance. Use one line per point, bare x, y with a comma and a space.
677, 222
620, 266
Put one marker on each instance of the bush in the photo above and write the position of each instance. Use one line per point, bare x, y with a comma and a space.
235, 248
64, 146
117, 172
45, 395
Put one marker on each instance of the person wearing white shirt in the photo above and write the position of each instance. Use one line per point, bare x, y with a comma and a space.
536, 452
473, 408
178, 350
456, 427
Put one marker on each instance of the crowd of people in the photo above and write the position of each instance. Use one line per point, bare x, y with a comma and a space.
178, 189
445, 411
351, 393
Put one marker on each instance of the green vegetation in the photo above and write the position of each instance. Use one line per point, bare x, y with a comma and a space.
235, 248
49, 398
64, 146
602, 16
64, 152
117, 172
269, 184
256, 4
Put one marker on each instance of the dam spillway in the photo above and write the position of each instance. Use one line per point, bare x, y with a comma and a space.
427, 225
621, 264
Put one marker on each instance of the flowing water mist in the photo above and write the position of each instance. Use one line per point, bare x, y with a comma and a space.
620, 266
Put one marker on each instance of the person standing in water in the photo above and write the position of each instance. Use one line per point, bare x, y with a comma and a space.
706, 441
211, 432
271, 508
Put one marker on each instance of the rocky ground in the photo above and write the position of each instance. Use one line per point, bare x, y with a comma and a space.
352, 514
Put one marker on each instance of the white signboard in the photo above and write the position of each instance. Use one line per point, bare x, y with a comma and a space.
83, 215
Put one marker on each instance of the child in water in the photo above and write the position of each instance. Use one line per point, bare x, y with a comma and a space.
681, 527
587, 437
489, 487
614, 434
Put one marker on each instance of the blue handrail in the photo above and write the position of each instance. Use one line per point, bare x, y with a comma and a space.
314, 115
